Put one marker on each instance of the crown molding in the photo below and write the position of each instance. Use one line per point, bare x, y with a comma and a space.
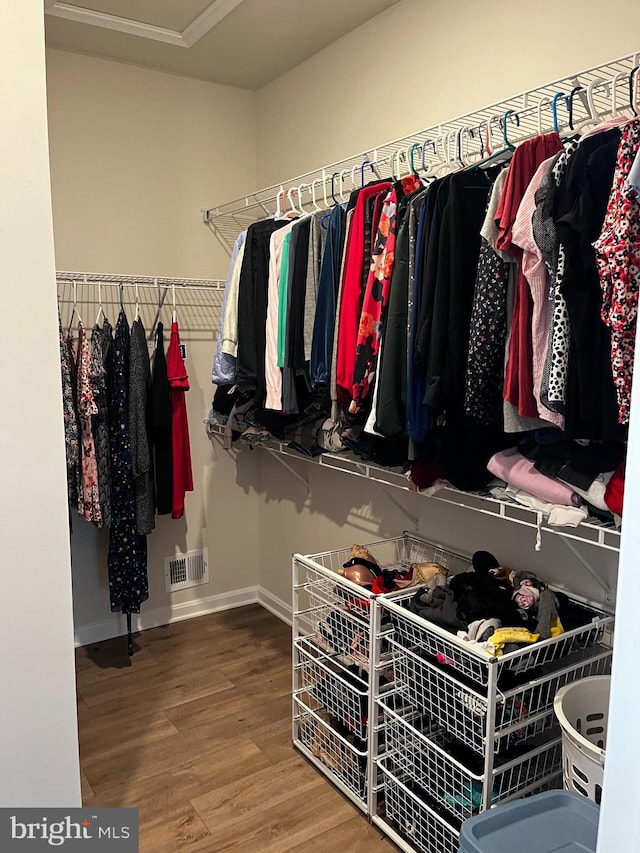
204, 23
210, 18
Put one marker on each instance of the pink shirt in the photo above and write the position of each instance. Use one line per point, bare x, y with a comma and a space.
537, 276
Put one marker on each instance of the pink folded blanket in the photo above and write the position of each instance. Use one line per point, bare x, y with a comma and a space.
512, 467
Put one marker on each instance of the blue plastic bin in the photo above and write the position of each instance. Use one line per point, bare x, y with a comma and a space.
552, 822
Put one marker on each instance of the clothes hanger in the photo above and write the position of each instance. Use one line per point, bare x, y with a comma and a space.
299, 190
632, 89
100, 308
507, 147
137, 310
593, 118
621, 75
363, 166
572, 95
173, 301
554, 108
279, 198
74, 310
160, 301
294, 210
410, 152
316, 206
333, 187
122, 298
423, 156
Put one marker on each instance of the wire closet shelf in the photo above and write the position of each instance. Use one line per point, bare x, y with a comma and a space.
564, 103
197, 302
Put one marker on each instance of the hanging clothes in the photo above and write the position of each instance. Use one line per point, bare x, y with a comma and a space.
181, 451
391, 398
71, 442
590, 401
527, 157
376, 293
127, 558
88, 492
273, 371
536, 273
160, 421
488, 324
317, 242
618, 258
223, 371
139, 382
328, 283
101, 421
252, 309
352, 290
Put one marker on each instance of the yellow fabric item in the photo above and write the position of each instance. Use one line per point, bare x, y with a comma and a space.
556, 627
510, 635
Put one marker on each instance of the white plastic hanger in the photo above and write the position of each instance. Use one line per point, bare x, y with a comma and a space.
74, 310
173, 300
100, 308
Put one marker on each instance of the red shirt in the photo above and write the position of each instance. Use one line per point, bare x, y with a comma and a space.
178, 384
351, 302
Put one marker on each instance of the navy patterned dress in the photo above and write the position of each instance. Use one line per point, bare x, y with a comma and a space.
127, 560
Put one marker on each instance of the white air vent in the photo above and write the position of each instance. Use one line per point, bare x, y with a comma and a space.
185, 570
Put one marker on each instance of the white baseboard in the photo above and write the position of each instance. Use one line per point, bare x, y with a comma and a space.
274, 605
116, 626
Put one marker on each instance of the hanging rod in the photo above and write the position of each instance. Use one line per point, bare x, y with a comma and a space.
534, 109
115, 280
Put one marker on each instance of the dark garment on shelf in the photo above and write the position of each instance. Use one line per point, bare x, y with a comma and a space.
325, 319
252, 307
574, 463
127, 559
591, 409
139, 386
160, 428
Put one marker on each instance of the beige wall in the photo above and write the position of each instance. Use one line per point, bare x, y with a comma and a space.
38, 733
421, 62
135, 155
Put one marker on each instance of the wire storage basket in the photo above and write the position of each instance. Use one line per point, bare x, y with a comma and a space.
432, 760
416, 633
484, 719
340, 755
333, 643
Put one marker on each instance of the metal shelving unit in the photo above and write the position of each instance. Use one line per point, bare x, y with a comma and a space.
336, 722
463, 730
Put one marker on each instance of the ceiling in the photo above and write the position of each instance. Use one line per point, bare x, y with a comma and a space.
245, 43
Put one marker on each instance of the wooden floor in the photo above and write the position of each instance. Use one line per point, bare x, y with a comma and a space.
195, 731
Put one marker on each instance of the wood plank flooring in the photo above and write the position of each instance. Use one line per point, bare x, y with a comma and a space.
195, 731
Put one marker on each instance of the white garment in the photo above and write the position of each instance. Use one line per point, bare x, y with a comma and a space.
230, 324
595, 493
273, 374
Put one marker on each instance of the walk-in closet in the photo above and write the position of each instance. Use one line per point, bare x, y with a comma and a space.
320, 434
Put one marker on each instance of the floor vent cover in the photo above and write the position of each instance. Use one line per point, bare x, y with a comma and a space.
182, 571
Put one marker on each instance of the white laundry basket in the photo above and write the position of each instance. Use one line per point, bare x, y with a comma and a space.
583, 711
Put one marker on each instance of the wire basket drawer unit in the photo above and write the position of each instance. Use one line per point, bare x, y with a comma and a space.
336, 613
412, 631
336, 752
324, 683
437, 764
406, 810
483, 719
